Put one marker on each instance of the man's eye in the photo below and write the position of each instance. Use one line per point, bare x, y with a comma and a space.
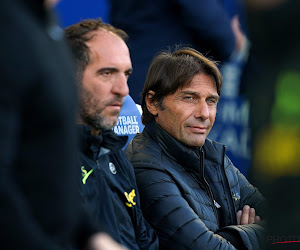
187, 97
127, 74
212, 101
106, 73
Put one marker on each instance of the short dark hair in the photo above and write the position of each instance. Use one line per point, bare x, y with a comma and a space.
170, 70
78, 35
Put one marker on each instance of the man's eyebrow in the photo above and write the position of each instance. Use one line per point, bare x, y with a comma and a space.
129, 71
110, 69
217, 97
188, 92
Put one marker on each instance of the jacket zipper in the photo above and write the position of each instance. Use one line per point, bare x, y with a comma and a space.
206, 185
228, 191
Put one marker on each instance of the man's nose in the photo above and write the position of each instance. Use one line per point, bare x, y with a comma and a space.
120, 86
202, 111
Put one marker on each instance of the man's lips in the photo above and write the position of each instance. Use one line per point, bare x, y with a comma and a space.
198, 129
115, 105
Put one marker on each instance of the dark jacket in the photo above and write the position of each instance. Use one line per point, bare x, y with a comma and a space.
109, 190
190, 197
39, 207
154, 25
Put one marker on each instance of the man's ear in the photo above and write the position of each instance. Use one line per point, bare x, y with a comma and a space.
150, 103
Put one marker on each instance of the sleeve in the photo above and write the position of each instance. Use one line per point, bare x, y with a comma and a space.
145, 235
251, 196
86, 229
248, 194
251, 236
175, 222
210, 24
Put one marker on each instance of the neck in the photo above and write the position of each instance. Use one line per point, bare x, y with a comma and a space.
94, 131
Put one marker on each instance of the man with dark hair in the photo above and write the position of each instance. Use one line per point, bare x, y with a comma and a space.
108, 185
192, 195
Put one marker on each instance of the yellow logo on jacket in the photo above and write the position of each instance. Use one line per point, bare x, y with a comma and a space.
130, 198
85, 174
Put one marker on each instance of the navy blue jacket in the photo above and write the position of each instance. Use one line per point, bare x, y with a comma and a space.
109, 192
153, 25
191, 197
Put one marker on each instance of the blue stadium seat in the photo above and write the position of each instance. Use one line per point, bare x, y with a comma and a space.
129, 121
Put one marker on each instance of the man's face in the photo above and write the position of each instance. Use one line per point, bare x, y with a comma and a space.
104, 82
189, 114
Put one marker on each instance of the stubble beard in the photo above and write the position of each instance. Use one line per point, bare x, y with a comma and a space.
91, 108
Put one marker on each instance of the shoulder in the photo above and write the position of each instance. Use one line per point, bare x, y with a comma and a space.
143, 150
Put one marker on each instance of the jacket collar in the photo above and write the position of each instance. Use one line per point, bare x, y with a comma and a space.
189, 158
91, 145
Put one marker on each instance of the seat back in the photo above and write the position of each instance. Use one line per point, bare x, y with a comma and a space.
129, 121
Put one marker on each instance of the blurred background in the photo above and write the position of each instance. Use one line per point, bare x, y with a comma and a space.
259, 113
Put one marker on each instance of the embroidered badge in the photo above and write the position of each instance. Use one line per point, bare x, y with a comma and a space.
112, 168
130, 198
85, 174
236, 196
